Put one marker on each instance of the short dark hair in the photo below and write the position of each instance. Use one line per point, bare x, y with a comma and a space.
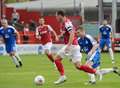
61, 12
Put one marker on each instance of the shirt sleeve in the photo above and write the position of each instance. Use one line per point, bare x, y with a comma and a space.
69, 26
13, 29
50, 28
93, 41
110, 28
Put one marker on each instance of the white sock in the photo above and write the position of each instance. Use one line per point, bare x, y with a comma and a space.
101, 72
15, 61
92, 77
106, 70
18, 57
111, 53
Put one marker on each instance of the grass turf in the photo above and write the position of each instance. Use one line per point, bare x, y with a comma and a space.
11, 77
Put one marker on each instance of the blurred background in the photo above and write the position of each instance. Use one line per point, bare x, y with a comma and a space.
24, 15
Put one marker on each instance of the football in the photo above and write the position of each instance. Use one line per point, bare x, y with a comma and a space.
39, 80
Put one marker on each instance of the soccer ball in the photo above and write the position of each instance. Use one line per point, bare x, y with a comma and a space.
39, 80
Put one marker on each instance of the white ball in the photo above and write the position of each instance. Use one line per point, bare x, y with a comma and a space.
39, 80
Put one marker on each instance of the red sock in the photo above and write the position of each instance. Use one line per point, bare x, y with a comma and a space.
59, 66
87, 69
50, 57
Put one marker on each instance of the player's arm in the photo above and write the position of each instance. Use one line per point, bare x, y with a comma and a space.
61, 34
69, 28
37, 34
99, 34
71, 37
54, 33
95, 46
111, 34
81, 49
1, 39
17, 35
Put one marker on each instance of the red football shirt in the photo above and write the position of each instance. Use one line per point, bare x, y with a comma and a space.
66, 27
45, 33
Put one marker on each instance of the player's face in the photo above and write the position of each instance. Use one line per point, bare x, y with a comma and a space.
80, 33
59, 18
105, 22
41, 21
4, 23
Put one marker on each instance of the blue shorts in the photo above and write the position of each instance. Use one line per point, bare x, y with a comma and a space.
104, 42
95, 58
10, 48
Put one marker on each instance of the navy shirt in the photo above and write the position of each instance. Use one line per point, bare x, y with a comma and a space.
105, 31
8, 34
86, 43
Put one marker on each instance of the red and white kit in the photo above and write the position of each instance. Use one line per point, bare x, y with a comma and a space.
45, 33
74, 51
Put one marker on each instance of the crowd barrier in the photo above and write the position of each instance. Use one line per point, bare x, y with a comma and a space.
26, 49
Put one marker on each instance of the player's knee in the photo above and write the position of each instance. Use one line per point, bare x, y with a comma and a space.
11, 54
58, 58
109, 48
77, 65
46, 51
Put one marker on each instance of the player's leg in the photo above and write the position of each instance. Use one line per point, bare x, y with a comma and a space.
14, 50
76, 59
18, 58
15, 61
47, 48
95, 58
86, 68
109, 46
109, 70
58, 62
101, 44
94, 62
11, 51
92, 79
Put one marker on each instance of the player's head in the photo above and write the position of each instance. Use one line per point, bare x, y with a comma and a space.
105, 22
4, 23
41, 21
80, 32
60, 15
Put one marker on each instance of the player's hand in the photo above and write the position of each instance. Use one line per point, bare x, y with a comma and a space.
56, 38
67, 49
1, 40
18, 41
38, 37
112, 40
98, 40
59, 36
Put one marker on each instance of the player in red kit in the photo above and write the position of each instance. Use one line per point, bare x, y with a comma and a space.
43, 33
71, 48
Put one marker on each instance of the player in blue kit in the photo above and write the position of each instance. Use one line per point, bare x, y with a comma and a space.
90, 46
9, 35
105, 32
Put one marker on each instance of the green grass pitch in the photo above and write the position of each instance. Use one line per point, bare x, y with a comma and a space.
10, 77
